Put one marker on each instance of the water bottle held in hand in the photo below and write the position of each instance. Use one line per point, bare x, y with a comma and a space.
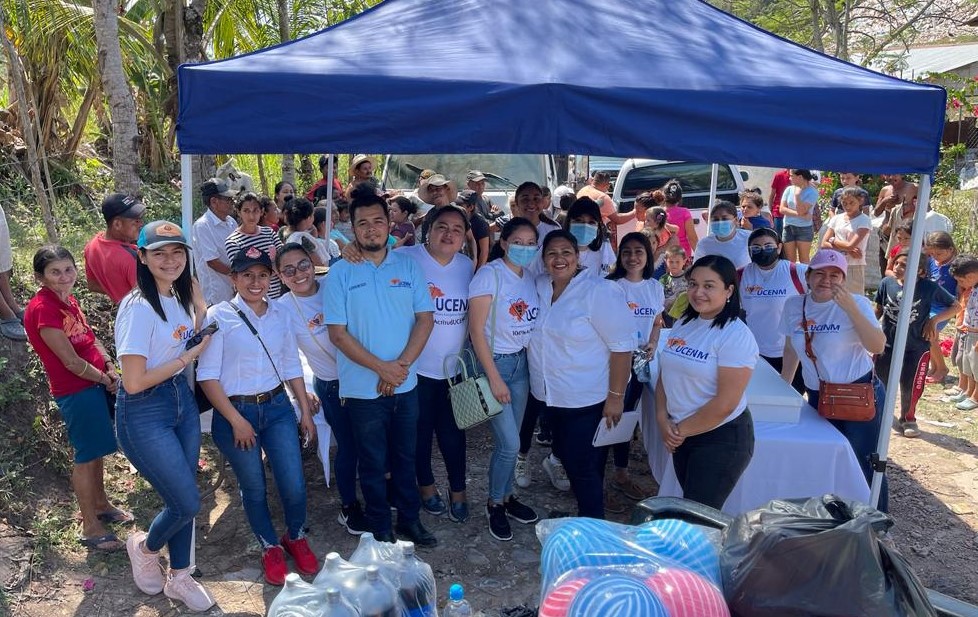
457, 606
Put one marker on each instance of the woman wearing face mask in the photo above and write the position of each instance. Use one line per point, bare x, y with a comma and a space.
250, 233
506, 291
580, 359
765, 285
584, 223
725, 238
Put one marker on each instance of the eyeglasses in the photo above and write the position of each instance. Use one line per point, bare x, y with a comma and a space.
757, 248
303, 266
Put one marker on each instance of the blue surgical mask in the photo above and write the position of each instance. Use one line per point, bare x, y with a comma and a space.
721, 229
522, 256
584, 233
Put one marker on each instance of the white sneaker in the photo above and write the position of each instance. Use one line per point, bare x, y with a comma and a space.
555, 470
146, 570
180, 585
522, 472
967, 404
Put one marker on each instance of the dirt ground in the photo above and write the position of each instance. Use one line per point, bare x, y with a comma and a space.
934, 500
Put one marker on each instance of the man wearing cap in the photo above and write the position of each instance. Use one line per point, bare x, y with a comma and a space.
362, 169
475, 180
437, 192
210, 231
318, 190
110, 257
468, 200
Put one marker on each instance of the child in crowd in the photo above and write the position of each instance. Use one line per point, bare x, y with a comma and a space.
342, 227
674, 280
401, 211
965, 272
921, 331
848, 233
940, 251
903, 234
751, 204
666, 233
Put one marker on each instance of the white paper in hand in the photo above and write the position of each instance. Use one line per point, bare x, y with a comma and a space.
623, 431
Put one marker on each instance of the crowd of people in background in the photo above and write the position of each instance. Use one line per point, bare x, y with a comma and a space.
553, 304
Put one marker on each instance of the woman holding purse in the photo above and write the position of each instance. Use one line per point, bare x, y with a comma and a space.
843, 334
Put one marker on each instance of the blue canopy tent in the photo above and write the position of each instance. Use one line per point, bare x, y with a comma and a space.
667, 79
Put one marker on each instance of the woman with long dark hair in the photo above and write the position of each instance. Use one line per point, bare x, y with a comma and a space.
583, 221
250, 232
701, 397
157, 421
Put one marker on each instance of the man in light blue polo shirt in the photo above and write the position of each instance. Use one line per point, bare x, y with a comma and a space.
380, 315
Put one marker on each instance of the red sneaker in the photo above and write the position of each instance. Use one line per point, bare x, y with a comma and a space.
273, 562
305, 560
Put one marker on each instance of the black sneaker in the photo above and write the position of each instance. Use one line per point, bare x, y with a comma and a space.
415, 532
498, 523
352, 518
519, 512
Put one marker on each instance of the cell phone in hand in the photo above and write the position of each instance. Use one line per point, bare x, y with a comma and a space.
207, 330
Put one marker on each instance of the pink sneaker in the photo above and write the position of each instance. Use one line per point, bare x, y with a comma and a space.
180, 585
146, 570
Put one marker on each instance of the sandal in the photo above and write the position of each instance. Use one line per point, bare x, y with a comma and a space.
115, 515
99, 543
13, 329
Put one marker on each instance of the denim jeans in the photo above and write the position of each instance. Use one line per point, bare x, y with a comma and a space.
863, 436
709, 465
514, 370
158, 429
345, 463
385, 431
278, 436
435, 417
572, 430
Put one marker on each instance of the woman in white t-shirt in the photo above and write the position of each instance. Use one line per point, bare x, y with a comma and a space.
701, 399
157, 422
304, 304
593, 240
725, 238
844, 335
848, 233
503, 308
765, 285
633, 271
448, 274
580, 359
532, 205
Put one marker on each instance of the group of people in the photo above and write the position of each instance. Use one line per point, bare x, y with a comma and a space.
554, 314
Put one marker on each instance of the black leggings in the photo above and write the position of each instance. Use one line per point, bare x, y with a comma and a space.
534, 410
709, 465
632, 395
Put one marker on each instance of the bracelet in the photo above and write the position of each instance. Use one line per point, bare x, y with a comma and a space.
613, 393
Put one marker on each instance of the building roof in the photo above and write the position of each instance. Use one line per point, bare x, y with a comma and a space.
916, 61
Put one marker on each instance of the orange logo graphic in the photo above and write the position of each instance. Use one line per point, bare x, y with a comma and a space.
435, 292
808, 325
253, 253
632, 306
753, 289
316, 321
168, 230
395, 281
675, 342
72, 326
519, 309
179, 332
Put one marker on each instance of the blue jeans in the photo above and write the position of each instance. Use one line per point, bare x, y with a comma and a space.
385, 431
572, 430
158, 429
863, 436
345, 463
277, 434
435, 417
514, 370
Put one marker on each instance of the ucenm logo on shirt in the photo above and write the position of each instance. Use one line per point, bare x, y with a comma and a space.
758, 290
182, 333
679, 346
400, 283
641, 311
445, 304
814, 327
521, 311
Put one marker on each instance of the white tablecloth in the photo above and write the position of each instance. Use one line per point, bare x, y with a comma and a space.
807, 459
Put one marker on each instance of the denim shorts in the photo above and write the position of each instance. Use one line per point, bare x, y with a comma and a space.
794, 233
89, 425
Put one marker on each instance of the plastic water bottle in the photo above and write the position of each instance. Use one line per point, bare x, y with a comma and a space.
340, 573
383, 554
297, 599
417, 585
377, 597
457, 606
337, 606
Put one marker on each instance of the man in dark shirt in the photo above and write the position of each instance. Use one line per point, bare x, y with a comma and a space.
468, 201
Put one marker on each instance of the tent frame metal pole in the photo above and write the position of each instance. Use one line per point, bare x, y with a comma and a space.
186, 195
714, 178
900, 342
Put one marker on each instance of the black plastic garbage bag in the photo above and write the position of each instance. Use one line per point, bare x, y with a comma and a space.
820, 557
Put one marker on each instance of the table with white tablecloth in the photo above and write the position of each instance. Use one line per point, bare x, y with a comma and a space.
806, 459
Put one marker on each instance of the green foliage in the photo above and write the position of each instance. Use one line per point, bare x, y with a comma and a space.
962, 208
946, 177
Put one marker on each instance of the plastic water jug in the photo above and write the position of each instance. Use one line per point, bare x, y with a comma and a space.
376, 597
417, 585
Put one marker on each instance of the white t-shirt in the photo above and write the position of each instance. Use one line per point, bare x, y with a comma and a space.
935, 221
307, 322
845, 229
762, 295
543, 228
971, 309
734, 249
599, 262
841, 356
517, 305
690, 360
139, 331
570, 349
449, 289
646, 300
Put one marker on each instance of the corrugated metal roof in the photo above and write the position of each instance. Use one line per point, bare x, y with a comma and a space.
918, 60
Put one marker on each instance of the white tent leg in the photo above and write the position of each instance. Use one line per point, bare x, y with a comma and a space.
186, 194
900, 343
714, 173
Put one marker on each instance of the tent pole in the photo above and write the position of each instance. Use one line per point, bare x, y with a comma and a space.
900, 343
714, 173
186, 194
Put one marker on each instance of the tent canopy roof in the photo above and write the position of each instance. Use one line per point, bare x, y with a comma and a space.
668, 79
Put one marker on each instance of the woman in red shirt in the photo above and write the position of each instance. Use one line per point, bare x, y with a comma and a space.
81, 375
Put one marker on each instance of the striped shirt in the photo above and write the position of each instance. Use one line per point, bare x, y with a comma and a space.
266, 241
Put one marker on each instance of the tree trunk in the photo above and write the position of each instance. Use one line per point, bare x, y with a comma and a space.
78, 126
288, 169
307, 174
262, 176
816, 9
122, 107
